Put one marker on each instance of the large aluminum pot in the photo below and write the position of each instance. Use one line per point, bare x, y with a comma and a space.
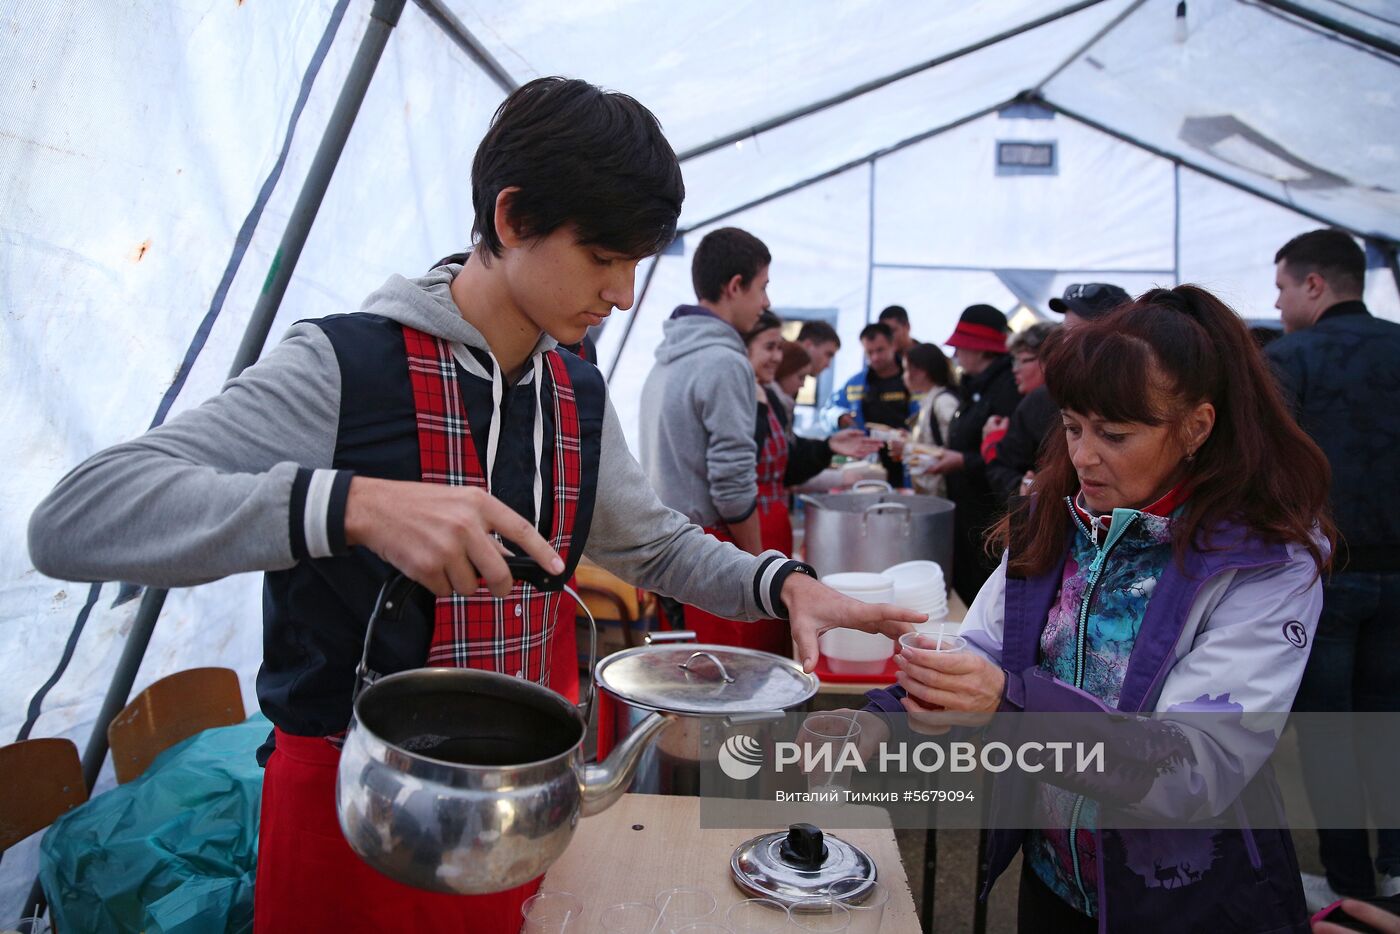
870, 531
712, 688
468, 782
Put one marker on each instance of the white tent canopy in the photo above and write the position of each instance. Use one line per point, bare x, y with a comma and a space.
153, 153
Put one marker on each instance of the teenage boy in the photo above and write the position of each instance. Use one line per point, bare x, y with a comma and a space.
418, 435
699, 401
821, 342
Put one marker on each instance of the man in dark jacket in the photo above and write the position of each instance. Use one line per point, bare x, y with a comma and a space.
987, 388
1337, 363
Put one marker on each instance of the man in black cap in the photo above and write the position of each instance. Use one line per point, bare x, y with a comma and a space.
1009, 469
988, 389
1085, 301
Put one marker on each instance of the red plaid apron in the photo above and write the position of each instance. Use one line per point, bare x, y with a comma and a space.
772, 463
775, 531
308, 877
510, 635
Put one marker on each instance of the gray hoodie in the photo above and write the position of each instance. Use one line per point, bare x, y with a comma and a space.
698, 408
210, 493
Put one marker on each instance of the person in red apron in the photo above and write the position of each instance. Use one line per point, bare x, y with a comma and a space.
427, 434
782, 460
764, 342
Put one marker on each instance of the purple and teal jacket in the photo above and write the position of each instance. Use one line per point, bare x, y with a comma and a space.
1120, 625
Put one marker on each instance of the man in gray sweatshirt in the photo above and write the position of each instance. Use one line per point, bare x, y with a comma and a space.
423, 435
700, 400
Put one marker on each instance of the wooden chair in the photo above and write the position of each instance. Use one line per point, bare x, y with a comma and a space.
172, 709
42, 780
609, 597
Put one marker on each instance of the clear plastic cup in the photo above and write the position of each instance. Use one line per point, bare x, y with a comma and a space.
869, 910
552, 913
630, 918
684, 905
757, 916
825, 739
821, 915
932, 642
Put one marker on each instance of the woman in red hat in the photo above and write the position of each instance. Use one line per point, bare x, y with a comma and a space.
987, 388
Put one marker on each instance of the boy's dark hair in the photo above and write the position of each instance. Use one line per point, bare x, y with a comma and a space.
819, 332
878, 329
1332, 254
579, 155
895, 313
722, 255
929, 360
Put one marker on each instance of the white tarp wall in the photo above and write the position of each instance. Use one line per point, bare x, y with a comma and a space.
135, 144
151, 153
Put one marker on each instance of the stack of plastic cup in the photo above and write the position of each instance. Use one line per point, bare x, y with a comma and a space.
918, 586
851, 651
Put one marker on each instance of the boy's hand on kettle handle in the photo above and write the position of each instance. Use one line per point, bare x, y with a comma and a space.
441, 536
813, 608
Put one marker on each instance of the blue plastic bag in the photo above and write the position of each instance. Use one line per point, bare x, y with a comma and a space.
173, 851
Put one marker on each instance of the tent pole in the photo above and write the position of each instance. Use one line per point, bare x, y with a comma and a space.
383, 17
1196, 167
870, 248
636, 310
1176, 223
459, 34
1074, 56
382, 20
845, 167
1333, 25
809, 109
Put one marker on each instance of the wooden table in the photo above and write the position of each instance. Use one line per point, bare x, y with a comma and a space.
646, 843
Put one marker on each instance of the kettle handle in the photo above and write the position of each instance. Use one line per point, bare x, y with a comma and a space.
881, 485
399, 590
396, 593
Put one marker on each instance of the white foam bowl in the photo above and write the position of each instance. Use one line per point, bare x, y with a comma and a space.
853, 652
862, 585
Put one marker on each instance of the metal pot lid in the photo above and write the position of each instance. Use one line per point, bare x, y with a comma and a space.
705, 680
801, 862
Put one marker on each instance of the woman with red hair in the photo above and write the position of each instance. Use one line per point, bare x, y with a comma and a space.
1168, 561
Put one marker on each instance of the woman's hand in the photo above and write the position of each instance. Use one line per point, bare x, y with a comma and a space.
1378, 918
948, 688
852, 442
994, 424
948, 462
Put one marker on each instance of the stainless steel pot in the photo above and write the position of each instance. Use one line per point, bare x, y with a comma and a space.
870, 531
712, 689
467, 782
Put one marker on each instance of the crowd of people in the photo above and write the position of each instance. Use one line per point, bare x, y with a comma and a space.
1174, 518
1253, 493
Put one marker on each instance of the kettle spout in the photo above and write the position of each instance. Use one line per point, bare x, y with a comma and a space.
604, 782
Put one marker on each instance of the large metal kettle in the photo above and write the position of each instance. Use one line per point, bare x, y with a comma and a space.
468, 782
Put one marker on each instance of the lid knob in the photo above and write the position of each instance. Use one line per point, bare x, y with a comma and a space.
803, 848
